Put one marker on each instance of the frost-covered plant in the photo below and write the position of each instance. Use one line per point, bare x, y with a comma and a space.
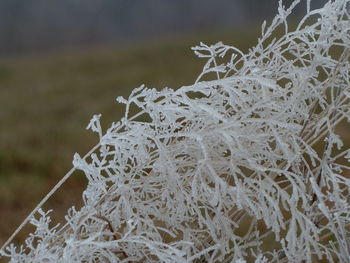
244, 165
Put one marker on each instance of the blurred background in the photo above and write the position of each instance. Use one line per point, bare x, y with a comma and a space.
63, 61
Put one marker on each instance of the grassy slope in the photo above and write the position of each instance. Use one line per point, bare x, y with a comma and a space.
47, 100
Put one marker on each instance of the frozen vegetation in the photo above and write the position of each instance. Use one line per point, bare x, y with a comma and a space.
245, 165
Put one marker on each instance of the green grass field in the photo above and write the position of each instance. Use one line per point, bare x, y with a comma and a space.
47, 101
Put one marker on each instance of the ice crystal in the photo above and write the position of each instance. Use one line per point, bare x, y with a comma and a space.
245, 165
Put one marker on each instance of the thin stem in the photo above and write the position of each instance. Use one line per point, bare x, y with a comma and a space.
44, 200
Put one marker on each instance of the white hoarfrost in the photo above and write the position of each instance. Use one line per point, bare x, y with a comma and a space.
245, 165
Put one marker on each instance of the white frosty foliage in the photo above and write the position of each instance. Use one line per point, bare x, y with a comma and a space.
245, 157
